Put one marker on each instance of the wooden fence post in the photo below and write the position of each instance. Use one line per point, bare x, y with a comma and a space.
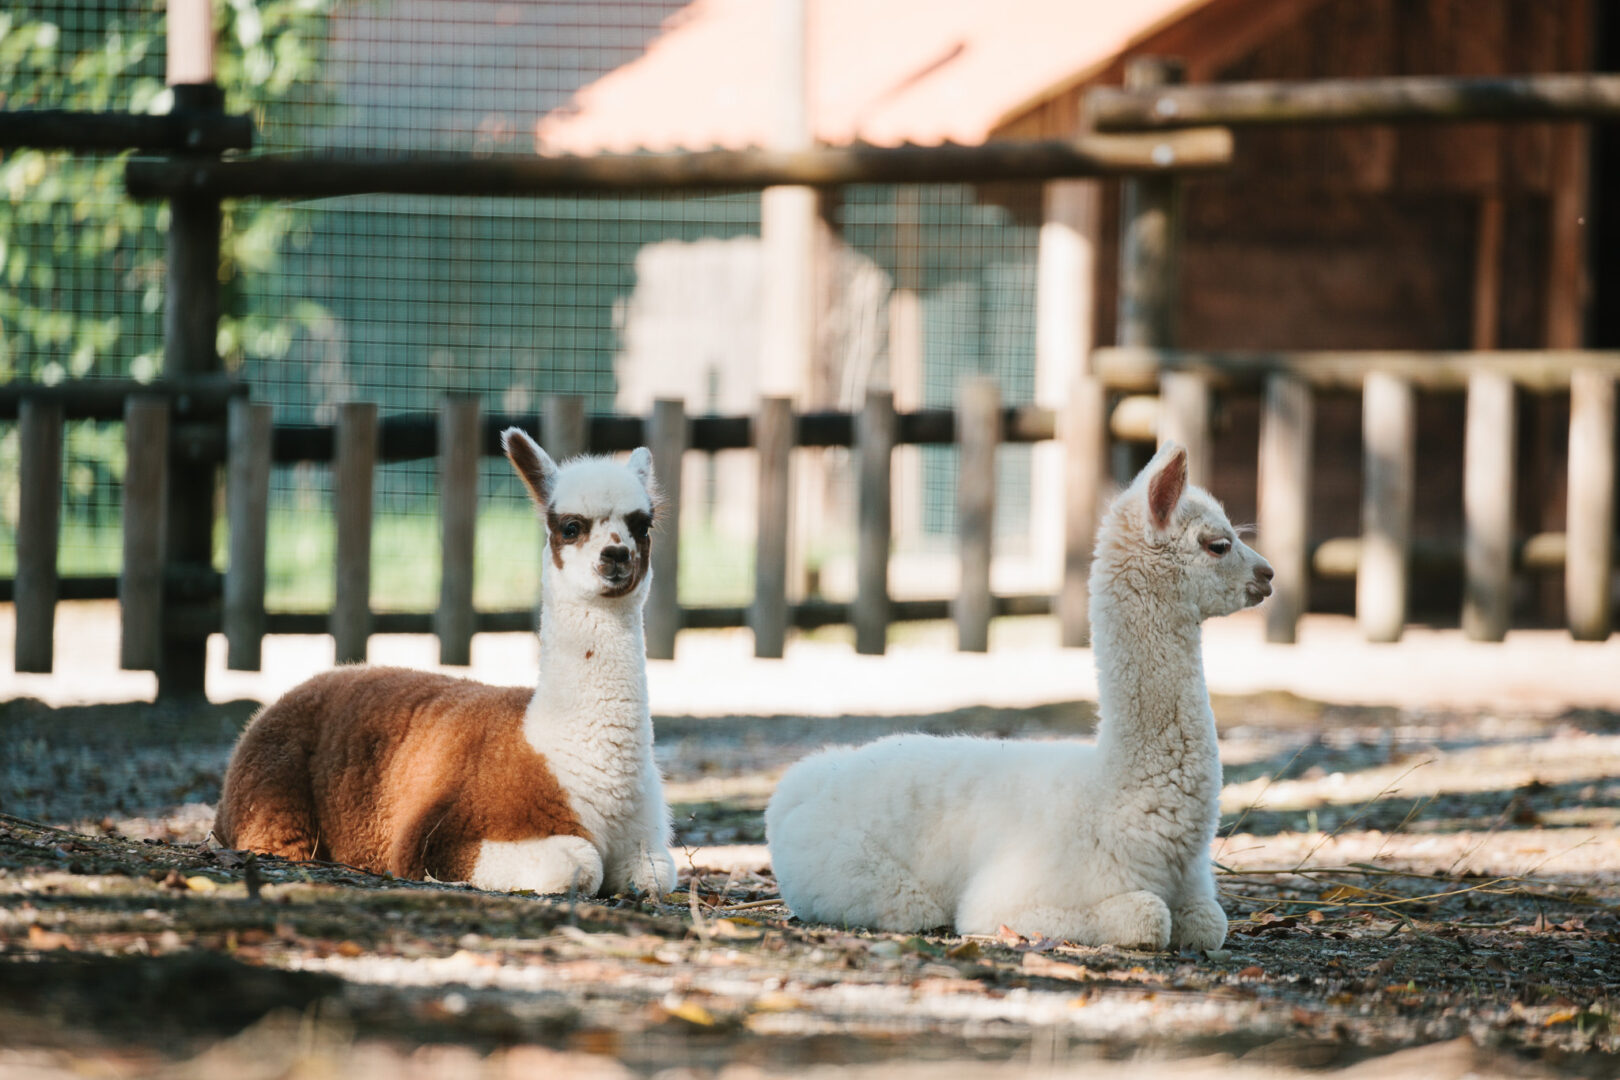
564, 433
39, 513
1184, 408
875, 431
1589, 567
667, 438
1489, 451
353, 484
460, 440
978, 431
146, 483
1084, 431
1287, 421
1386, 505
247, 516
773, 442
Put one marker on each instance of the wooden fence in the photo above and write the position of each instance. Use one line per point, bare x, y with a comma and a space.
1130, 395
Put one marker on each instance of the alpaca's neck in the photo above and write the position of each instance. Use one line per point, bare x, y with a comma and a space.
593, 667
1154, 707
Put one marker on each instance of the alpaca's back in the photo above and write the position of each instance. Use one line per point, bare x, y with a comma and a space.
390, 769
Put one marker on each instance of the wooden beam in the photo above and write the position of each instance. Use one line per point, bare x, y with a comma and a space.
1356, 101
1137, 370
39, 510
1387, 431
353, 493
1287, 424
1184, 417
247, 516
1150, 230
111, 133
1489, 452
667, 437
454, 622
313, 176
978, 413
874, 503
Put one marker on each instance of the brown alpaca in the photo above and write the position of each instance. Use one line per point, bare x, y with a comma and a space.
424, 775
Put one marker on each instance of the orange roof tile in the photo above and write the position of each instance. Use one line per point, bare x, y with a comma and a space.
881, 71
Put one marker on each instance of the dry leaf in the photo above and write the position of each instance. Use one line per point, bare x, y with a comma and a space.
1562, 1016
1008, 936
692, 1013
349, 949
776, 1002
46, 940
1253, 971
967, 950
201, 884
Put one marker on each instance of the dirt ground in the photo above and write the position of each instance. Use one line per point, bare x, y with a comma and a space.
1413, 891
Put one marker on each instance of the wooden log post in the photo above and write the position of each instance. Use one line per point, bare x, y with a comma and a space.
1149, 254
39, 516
146, 483
875, 431
978, 419
1287, 422
1387, 431
460, 440
191, 605
247, 515
1589, 566
668, 435
773, 442
354, 469
1084, 432
1489, 452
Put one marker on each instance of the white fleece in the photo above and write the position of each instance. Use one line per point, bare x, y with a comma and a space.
1104, 843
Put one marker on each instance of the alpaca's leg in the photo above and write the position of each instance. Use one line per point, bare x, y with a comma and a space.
548, 864
1135, 920
1196, 920
267, 806
650, 870
851, 878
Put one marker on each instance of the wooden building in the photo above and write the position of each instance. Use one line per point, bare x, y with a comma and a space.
1355, 237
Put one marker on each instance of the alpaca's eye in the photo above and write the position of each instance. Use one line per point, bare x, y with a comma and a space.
1217, 548
570, 530
639, 524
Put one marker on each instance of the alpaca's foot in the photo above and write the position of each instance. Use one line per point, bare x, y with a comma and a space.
550, 864
1133, 920
651, 872
1200, 925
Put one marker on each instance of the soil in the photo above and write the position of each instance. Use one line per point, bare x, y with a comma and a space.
1416, 892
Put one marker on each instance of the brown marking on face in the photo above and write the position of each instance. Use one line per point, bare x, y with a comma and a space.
557, 525
397, 771
589, 653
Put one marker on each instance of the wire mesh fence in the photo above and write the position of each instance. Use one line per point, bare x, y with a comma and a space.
398, 300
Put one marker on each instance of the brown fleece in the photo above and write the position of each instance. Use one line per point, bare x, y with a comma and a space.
391, 770
554, 533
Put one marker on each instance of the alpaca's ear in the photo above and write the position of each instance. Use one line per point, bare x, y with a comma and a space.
533, 465
1166, 484
641, 466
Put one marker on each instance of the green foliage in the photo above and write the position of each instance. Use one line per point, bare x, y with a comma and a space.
81, 267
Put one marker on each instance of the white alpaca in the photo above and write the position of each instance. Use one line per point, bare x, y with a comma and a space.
420, 774
1097, 844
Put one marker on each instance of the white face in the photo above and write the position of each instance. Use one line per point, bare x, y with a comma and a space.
598, 515
1219, 573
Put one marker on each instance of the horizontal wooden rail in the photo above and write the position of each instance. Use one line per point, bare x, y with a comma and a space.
807, 615
200, 397
309, 176
1356, 101
1137, 370
414, 436
112, 132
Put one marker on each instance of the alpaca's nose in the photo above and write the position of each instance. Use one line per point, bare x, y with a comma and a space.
616, 554
1264, 572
